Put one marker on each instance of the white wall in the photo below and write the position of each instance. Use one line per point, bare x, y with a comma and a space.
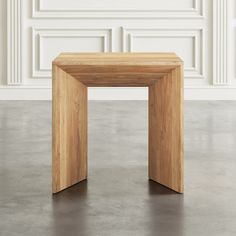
202, 32
3, 41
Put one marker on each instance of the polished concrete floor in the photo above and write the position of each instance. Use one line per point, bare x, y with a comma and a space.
117, 199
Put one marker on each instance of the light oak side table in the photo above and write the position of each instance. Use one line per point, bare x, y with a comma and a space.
73, 73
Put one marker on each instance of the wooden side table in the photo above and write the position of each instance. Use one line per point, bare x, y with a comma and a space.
73, 73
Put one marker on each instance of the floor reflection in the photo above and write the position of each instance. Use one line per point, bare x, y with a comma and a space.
70, 210
166, 210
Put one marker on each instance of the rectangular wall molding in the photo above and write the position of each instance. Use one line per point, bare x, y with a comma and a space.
40, 35
14, 57
196, 51
195, 11
220, 43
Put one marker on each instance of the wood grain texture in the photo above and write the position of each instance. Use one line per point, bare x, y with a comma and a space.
74, 72
69, 130
166, 131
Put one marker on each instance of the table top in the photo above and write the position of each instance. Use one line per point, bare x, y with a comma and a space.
145, 59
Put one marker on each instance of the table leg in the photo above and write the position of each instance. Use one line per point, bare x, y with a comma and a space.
166, 131
69, 133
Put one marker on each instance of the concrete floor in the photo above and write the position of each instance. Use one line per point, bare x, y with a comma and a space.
117, 199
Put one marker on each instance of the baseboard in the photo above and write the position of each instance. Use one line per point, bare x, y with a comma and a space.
25, 93
44, 93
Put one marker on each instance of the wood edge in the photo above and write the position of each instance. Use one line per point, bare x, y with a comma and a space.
62, 56
55, 178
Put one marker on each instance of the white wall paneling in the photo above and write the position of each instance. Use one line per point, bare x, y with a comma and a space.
202, 32
187, 43
233, 42
220, 42
117, 9
14, 48
47, 43
233, 64
234, 59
